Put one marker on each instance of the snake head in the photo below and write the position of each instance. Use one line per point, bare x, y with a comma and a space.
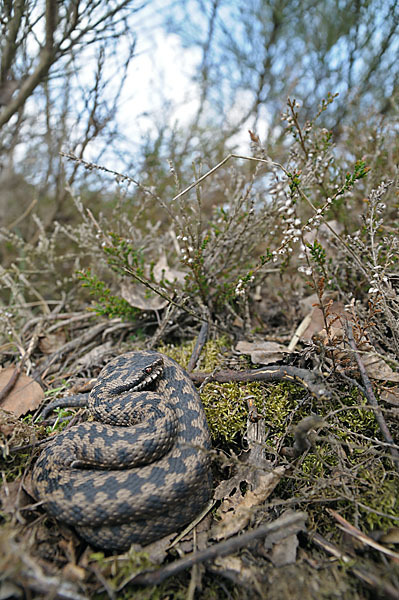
133, 371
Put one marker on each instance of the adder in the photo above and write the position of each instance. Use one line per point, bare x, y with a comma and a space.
140, 470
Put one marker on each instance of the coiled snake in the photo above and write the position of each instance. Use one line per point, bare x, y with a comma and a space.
141, 469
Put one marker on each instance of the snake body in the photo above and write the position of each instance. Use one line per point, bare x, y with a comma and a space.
140, 469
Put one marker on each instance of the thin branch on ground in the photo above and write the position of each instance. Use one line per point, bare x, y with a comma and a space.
221, 549
368, 390
308, 379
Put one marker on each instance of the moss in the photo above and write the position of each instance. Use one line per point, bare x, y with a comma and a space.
347, 471
343, 469
226, 407
211, 354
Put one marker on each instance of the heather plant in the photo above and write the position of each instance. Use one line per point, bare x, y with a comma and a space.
249, 229
214, 256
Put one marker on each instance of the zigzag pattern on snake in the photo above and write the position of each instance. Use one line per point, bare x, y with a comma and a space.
141, 469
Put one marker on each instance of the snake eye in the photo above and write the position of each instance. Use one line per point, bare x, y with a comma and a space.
148, 370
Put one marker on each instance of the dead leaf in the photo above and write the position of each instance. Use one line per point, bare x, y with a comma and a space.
140, 297
14, 432
237, 569
263, 353
52, 342
162, 272
283, 542
240, 509
391, 536
13, 497
374, 364
391, 396
377, 368
284, 551
96, 356
26, 395
316, 324
73, 572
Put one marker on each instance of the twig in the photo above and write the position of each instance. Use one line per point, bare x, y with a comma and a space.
24, 214
199, 344
87, 336
360, 536
163, 325
388, 590
307, 379
368, 390
221, 549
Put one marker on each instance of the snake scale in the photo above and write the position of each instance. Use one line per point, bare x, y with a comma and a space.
140, 469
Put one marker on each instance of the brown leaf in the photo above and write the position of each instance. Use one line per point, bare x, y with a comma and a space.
97, 355
163, 272
25, 396
237, 569
391, 536
263, 353
316, 325
391, 396
377, 368
74, 572
240, 509
284, 542
52, 342
284, 551
140, 297
13, 497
